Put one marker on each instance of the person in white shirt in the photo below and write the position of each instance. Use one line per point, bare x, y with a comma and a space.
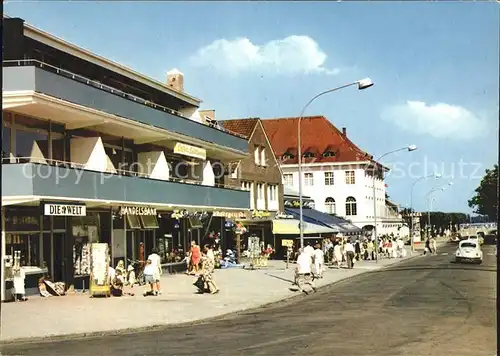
149, 275
349, 253
156, 263
303, 275
309, 250
401, 247
319, 261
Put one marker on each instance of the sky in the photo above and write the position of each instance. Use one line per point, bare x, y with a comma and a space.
435, 66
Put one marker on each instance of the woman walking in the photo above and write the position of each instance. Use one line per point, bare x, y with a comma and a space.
195, 257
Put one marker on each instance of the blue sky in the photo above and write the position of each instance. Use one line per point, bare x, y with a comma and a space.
435, 66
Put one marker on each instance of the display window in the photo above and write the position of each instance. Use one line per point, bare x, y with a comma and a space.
27, 244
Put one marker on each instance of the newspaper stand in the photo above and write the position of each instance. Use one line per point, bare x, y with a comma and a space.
99, 266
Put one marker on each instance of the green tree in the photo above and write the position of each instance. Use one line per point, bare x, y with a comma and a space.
485, 200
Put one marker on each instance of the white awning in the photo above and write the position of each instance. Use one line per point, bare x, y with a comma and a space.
18, 200
291, 227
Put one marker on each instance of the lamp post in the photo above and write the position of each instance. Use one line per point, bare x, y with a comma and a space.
435, 175
361, 84
428, 196
407, 148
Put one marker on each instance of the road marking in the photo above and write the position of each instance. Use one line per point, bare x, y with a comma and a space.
444, 254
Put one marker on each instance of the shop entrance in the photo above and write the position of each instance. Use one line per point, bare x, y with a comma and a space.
140, 244
59, 245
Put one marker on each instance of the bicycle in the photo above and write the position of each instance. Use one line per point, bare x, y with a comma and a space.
138, 270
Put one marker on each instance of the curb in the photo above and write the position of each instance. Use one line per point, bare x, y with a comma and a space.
156, 327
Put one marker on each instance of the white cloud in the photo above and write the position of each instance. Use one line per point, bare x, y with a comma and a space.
291, 55
440, 120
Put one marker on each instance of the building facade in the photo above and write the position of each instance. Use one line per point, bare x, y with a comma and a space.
260, 175
337, 174
93, 151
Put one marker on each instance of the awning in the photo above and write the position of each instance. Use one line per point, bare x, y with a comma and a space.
291, 227
335, 222
18, 200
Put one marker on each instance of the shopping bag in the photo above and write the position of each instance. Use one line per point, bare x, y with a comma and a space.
200, 283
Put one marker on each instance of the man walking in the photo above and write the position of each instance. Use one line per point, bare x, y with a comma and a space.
319, 261
156, 263
349, 253
303, 275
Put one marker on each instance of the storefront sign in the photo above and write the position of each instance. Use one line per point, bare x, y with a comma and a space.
295, 203
191, 151
229, 214
137, 210
260, 214
64, 210
287, 243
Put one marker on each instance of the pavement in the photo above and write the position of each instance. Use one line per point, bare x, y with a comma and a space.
422, 306
76, 315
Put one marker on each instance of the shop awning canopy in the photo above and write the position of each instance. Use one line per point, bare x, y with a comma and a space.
18, 200
318, 217
291, 227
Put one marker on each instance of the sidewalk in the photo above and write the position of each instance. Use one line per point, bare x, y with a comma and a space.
240, 290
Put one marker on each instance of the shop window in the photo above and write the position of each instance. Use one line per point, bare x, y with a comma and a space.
27, 244
149, 221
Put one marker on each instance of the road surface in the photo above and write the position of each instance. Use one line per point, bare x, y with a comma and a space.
424, 306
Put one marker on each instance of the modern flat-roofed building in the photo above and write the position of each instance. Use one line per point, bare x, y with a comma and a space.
93, 151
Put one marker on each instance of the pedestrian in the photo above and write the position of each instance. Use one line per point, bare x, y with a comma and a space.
371, 249
319, 261
156, 262
195, 257
303, 275
309, 250
427, 246
150, 278
434, 245
350, 253
357, 250
207, 271
337, 252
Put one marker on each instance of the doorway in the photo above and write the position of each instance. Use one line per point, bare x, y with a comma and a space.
59, 243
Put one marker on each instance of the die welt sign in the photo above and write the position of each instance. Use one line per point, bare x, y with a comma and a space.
59, 209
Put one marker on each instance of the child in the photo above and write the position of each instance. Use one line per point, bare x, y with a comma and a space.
150, 273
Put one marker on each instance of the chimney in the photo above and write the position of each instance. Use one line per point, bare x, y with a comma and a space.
175, 79
344, 131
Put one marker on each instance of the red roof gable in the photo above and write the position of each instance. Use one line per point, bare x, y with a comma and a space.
318, 136
243, 127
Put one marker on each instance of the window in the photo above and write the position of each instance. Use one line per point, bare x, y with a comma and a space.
330, 205
329, 178
246, 186
287, 156
263, 156
329, 154
256, 155
288, 180
308, 179
350, 177
350, 207
273, 192
260, 191
308, 155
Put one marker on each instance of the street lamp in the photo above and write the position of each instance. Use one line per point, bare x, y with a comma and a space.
429, 203
434, 175
406, 148
361, 84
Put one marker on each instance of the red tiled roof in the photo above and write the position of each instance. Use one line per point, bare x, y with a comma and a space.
318, 135
243, 127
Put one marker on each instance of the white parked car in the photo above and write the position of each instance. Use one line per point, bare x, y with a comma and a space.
469, 251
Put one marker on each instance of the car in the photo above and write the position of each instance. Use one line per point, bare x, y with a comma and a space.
478, 238
469, 251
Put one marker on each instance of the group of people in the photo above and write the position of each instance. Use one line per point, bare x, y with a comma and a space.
201, 263
307, 258
430, 246
122, 281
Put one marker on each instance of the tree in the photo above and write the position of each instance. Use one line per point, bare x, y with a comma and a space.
485, 200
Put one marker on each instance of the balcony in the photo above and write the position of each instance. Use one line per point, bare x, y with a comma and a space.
61, 181
34, 76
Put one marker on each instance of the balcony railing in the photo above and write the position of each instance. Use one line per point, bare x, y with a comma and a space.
107, 88
117, 172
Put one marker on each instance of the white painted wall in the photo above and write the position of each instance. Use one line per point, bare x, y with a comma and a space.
208, 174
153, 164
88, 152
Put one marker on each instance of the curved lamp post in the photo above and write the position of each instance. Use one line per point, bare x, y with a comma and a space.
428, 197
435, 175
361, 84
406, 148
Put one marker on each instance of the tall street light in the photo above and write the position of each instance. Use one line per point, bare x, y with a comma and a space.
361, 84
429, 207
435, 175
407, 148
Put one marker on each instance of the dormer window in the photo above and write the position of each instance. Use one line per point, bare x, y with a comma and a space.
287, 156
328, 154
308, 155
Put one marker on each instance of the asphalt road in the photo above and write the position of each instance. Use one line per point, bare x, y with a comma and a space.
424, 306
